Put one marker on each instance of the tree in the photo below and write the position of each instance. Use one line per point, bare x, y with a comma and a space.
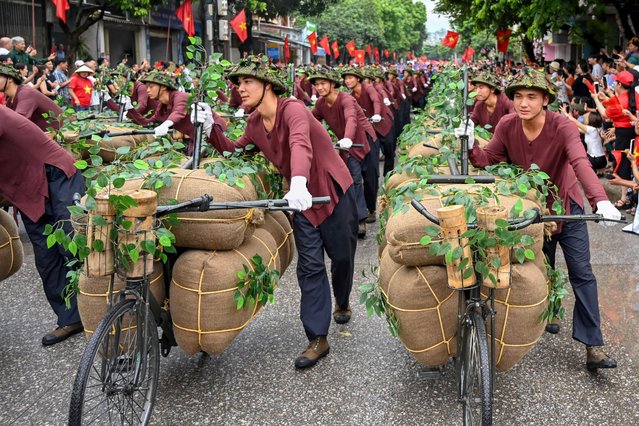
86, 15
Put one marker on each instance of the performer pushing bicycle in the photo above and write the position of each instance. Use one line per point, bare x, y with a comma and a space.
535, 135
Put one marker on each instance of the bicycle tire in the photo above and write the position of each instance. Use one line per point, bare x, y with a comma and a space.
114, 379
475, 372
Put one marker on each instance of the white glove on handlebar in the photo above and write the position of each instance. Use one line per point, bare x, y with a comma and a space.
163, 129
298, 196
314, 98
414, 89
345, 143
387, 102
376, 118
403, 96
470, 132
239, 113
126, 101
608, 211
201, 113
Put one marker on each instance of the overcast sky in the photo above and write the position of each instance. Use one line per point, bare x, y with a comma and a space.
434, 22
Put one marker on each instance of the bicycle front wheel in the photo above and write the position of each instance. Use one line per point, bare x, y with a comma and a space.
117, 378
474, 372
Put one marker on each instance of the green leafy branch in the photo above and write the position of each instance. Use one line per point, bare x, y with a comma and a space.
375, 301
256, 284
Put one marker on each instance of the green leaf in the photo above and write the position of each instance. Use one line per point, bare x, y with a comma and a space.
81, 164
517, 208
118, 182
51, 241
165, 241
140, 165
425, 240
98, 245
48, 229
123, 150
134, 255
529, 254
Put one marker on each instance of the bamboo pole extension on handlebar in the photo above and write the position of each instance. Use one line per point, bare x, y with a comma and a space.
464, 138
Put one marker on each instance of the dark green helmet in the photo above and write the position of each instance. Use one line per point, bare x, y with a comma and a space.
487, 78
352, 70
262, 69
162, 78
9, 71
531, 79
325, 73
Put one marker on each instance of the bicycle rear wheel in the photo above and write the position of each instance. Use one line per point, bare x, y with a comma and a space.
474, 372
117, 378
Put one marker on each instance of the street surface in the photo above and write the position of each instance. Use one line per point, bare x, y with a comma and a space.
367, 379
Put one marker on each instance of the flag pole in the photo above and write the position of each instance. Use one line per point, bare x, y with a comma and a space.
168, 37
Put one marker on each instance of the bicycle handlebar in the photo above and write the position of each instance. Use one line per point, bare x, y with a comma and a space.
204, 203
517, 224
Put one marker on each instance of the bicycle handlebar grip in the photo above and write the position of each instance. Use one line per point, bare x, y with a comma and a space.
76, 198
422, 210
321, 200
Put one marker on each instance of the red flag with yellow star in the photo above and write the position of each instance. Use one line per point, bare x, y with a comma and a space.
503, 36
451, 39
185, 15
359, 56
324, 44
61, 7
335, 49
287, 50
386, 53
350, 46
312, 40
239, 25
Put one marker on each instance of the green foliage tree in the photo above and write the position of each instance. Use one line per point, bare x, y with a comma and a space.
398, 25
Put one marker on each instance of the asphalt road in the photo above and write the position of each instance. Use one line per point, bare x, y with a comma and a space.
368, 378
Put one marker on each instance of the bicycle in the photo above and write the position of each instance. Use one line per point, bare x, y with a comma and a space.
475, 364
119, 369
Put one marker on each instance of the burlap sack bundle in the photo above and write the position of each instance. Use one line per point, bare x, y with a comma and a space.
277, 224
11, 250
517, 322
258, 180
426, 151
108, 146
425, 308
212, 230
205, 317
94, 295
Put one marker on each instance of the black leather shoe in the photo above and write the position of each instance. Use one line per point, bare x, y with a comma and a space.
596, 358
553, 327
317, 348
372, 217
62, 333
342, 316
361, 230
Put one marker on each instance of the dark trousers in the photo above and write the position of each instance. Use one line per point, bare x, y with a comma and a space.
388, 148
337, 235
573, 240
370, 173
355, 168
50, 263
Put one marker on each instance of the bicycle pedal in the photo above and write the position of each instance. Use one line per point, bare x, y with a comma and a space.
431, 373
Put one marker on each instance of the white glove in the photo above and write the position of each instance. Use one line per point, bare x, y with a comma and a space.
293, 97
376, 118
387, 102
239, 113
608, 211
414, 89
314, 98
105, 96
403, 96
425, 85
163, 129
201, 113
126, 101
345, 143
298, 196
470, 131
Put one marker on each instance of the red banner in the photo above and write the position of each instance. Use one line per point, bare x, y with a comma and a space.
239, 25
61, 7
503, 37
312, 39
468, 54
287, 50
359, 56
350, 46
335, 48
324, 45
376, 53
451, 39
386, 53
185, 15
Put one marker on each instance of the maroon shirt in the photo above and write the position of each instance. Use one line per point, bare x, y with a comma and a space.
372, 104
557, 150
298, 145
32, 103
481, 116
301, 94
236, 99
24, 151
381, 90
306, 86
176, 111
347, 120
396, 97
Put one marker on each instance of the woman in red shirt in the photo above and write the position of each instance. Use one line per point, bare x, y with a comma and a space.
81, 88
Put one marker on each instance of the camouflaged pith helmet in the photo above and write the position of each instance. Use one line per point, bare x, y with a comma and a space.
392, 70
9, 71
369, 72
352, 70
261, 69
531, 79
162, 78
326, 74
308, 70
485, 77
